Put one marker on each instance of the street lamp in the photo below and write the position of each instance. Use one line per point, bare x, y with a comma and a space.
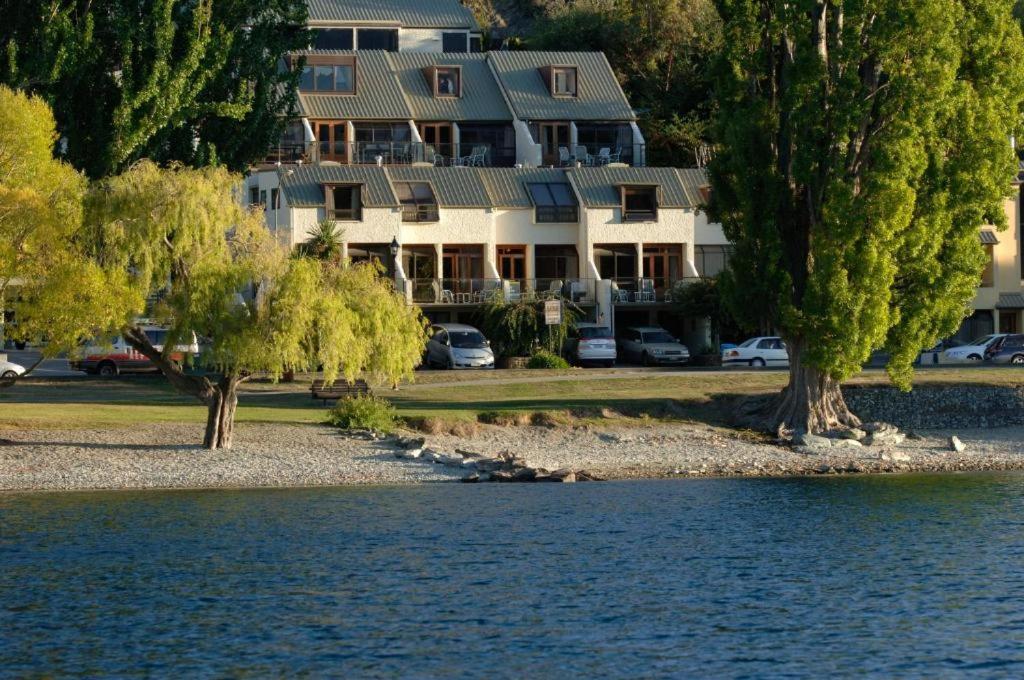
394, 255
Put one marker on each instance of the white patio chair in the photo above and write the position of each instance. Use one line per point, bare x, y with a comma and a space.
604, 155
564, 157
583, 156
646, 292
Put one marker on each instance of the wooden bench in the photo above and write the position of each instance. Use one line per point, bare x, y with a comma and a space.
338, 390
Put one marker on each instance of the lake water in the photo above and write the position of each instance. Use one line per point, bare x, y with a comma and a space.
891, 576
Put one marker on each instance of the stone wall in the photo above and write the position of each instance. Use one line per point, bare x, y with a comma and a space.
939, 407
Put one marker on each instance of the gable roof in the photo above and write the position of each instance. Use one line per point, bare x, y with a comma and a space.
481, 98
506, 187
600, 96
693, 180
303, 184
404, 13
378, 95
599, 187
453, 187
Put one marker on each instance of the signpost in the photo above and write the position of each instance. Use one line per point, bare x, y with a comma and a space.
553, 312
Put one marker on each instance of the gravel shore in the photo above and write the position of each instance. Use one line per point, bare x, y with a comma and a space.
313, 455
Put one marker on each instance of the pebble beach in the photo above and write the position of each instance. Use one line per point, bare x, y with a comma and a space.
314, 455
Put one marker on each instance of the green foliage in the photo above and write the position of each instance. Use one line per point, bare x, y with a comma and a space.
545, 359
325, 242
659, 50
515, 329
59, 296
702, 299
364, 412
860, 148
192, 81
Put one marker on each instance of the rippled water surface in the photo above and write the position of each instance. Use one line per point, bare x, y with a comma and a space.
896, 576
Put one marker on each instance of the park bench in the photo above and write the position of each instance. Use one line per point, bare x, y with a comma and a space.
338, 390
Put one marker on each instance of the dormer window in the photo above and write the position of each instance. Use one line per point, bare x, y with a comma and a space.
444, 81
639, 203
418, 201
564, 81
320, 77
344, 202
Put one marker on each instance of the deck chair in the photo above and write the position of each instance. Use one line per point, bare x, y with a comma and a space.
564, 158
604, 155
646, 292
619, 295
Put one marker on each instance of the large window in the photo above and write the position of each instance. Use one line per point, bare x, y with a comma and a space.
555, 262
333, 39
711, 261
554, 202
378, 39
418, 201
498, 140
453, 42
344, 202
339, 78
563, 81
988, 274
617, 262
639, 203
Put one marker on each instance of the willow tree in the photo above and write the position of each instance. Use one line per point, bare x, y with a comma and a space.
58, 296
860, 146
213, 269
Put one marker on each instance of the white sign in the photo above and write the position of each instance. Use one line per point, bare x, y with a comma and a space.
553, 312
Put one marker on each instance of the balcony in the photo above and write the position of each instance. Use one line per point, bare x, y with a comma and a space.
599, 155
645, 291
460, 292
394, 153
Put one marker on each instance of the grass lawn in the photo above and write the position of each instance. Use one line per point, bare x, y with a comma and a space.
78, 403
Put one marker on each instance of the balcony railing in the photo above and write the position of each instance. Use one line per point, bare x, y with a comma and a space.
598, 155
407, 153
578, 291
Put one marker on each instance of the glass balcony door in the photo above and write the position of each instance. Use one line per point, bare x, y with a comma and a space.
553, 136
331, 140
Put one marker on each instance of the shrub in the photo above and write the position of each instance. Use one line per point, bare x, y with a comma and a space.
363, 413
545, 359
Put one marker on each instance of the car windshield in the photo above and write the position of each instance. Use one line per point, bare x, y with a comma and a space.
594, 332
748, 343
658, 336
467, 339
983, 340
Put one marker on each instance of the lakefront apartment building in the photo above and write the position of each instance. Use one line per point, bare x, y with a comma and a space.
470, 175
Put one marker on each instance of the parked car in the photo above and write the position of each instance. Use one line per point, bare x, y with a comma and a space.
978, 349
937, 353
455, 345
9, 369
757, 352
651, 345
591, 343
117, 356
1011, 351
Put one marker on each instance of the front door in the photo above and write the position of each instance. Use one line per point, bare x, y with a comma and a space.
1008, 321
553, 136
512, 263
330, 138
439, 137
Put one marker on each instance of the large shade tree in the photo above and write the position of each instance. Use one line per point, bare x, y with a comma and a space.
214, 270
58, 296
195, 81
861, 145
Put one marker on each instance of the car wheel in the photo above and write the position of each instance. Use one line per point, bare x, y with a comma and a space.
1017, 359
645, 359
974, 357
9, 375
107, 369
757, 362
450, 365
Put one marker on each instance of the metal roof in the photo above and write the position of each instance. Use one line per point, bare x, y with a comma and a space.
453, 187
600, 96
693, 180
988, 237
481, 98
378, 95
599, 187
404, 13
1010, 301
506, 187
303, 184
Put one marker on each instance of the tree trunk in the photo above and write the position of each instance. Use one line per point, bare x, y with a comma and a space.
221, 399
812, 401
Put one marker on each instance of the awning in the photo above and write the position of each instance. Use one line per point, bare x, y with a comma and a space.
988, 238
1010, 301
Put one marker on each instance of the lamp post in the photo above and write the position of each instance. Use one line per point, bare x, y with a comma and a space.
394, 254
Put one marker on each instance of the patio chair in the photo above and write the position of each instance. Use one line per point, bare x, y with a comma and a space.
604, 155
564, 158
442, 295
515, 291
617, 156
478, 158
554, 290
646, 292
619, 295
583, 156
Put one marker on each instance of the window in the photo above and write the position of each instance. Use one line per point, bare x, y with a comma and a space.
328, 78
263, 199
563, 81
553, 202
453, 42
344, 202
618, 263
639, 203
447, 81
418, 202
333, 39
254, 195
987, 278
378, 39
711, 261
555, 262
475, 44
275, 199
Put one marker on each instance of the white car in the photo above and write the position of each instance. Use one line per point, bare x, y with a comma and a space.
978, 349
9, 369
758, 353
591, 343
455, 345
651, 345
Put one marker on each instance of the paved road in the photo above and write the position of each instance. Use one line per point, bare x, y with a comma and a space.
51, 368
